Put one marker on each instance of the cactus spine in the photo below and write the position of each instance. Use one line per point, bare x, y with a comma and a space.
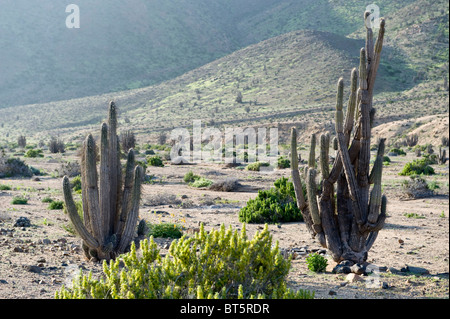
348, 226
110, 211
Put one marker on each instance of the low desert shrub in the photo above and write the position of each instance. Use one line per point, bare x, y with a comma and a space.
19, 200
76, 184
32, 153
256, 166
71, 169
5, 187
164, 230
316, 262
277, 204
283, 162
397, 151
416, 187
190, 177
201, 182
221, 264
229, 184
155, 161
417, 167
14, 167
56, 146
57, 204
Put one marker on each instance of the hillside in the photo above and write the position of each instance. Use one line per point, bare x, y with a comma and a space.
285, 74
288, 79
134, 44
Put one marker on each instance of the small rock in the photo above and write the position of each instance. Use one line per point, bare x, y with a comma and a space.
22, 222
358, 269
382, 269
184, 196
34, 269
384, 285
332, 293
393, 270
2, 281
18, 250
46, 241
401, 241
415, 270
353, 278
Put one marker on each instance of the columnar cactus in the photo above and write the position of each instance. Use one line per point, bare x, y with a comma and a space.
347, 224
110, 209
442, 159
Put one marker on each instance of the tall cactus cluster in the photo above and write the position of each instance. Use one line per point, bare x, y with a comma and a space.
110, 204
347, 211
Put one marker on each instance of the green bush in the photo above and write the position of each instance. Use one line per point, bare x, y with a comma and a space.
316, 262
221, 264
201, 182
19, 200
58, 204
190, 177
76, 184
417, 167
155, 161
47, 200
14, 167
32, 153
256, 166
398, 151
283, 162
277, 204
5, 187
164, 230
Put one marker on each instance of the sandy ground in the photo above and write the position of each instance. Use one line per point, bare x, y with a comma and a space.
36, 261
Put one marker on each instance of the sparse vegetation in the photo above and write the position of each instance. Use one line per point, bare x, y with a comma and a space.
204, 266
417, 167
164, 230
190, 177
272, 206
32, 153
414, 215
127, 140
54, 205
201, 182
19, 200
283, 162
155, 161
416, 187
316, 262
14, 167
397, 151
256, 166
56, 146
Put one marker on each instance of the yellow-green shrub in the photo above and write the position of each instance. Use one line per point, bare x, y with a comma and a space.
218, 264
